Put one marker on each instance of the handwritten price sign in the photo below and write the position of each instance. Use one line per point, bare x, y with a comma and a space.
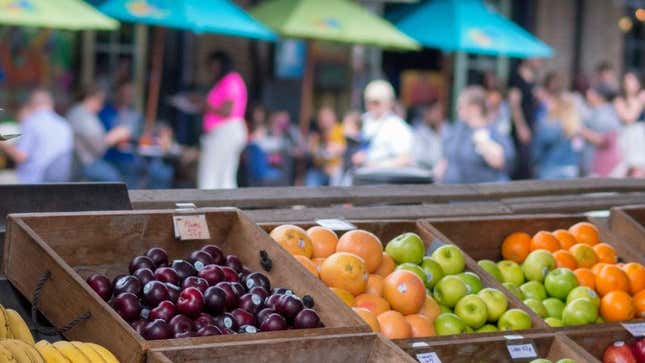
192, 227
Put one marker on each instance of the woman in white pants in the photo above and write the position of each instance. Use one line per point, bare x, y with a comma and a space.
225, 133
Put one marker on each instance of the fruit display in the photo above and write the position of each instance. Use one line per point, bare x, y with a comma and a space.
621, 352
208, 293
569, 277
398, 290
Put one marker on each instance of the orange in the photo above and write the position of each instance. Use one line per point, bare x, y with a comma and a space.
293, 239
405, 292
394, 326
369, 318
597, 267
324, 241
375, 304
564, 258
585, 232
375, 285
585, 255
421, 325
346, 271
611, 278
387, 265
309, 265
516, 246
636, 275
344, 295
544, 240
364, 244
565, 238
617, 306
318, 261
430, 308
639, 304
585, 277
605, 253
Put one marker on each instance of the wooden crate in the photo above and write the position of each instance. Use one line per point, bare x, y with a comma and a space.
71, 246
493, 349
596, 341
629, 224
368, 348
387, 230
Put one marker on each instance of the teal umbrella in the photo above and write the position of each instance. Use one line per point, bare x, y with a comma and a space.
467, 26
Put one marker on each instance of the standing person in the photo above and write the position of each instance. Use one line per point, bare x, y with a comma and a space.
327, 149
556, 148
474, 150
426, 147
91, 139
606, 74
631, 136
225, 132
629, 105
44, 150
523, 105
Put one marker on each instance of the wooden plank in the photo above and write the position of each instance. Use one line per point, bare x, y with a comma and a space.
571, 204
595, 341
559, 187
629, 224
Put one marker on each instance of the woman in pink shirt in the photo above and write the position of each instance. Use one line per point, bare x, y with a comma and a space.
225, 132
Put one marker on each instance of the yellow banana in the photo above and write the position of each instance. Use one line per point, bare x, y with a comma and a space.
18, 327
90, 353
107, 356
5, 324
6, 356
33, 354
16, 350
70, 352
49, 353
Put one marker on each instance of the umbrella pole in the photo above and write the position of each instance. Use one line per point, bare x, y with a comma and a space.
155, 78
306, 93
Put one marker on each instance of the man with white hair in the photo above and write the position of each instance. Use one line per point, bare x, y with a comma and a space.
44, 151
388, 137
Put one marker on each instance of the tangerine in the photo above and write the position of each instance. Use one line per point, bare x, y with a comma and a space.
405, 291
639, 304
375, 304
430, 308
324, 241
585, 255
375, 285
585, 232
611, 278
617, 306
421, 325
605, 253
394, 326
369, 318
585, 277
344, 295
293, 239
636, 275
544, 240
564, 258
387, 265
565, 238
308, 264
516, 246
318, 261
597, 267
363, 244
346, 271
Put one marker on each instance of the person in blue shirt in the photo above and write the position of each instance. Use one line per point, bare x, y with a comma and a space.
557, 145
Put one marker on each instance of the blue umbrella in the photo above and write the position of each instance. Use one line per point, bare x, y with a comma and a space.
467, 26
199, 16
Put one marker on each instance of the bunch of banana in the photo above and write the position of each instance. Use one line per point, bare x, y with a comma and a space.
14, 350
74, 352
12, 326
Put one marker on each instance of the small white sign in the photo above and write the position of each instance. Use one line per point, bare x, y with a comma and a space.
520, 351
431, 357
635, 329
335, 224
191, 227
513, 337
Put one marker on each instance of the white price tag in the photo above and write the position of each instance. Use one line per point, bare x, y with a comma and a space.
519, 351
431, 357
191, 227
513, 337
335, 224
635, 329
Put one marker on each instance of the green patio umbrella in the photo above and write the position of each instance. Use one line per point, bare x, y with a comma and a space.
57, 14
330, 20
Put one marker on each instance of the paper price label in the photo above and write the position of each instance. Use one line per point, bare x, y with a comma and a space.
335, 224
513, 337
192, 227
520, 351
431, 357
635, 329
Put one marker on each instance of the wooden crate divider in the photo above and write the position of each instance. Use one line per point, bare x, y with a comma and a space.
629, 224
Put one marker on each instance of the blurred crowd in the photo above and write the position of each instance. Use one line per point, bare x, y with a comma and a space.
535, 127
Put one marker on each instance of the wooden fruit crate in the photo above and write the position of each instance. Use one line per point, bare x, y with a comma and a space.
629, 224
387, 230
367, 348
494, 349
71, 246
596, 341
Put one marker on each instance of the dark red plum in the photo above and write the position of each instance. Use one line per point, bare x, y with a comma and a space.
173, 292
127, 306
158, 255
230, 274
138, 325
190, 302
257, 290
157, 329
127, 283
194, 281
167, 274
262, 314
238, 289
141, 262
183, 269
215, 300
233, 262
272, 300
199, 259
289, 306
208, 330
215, 252
227, 331
226, 321
243, 317
144, 275
251, 302
232, 300
306, 319
273, 322
282, 291
203, 320
185, 334
248, 329
154, 293
165, 311
211, 273
257, 279
101, 285
181, 323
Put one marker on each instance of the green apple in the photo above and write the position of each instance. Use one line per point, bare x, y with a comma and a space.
514, 290
416, 269
469, 330
496, 303
407, 247
450, 258
600, 320
472, 310
511, 272
449, 290
488, 328
472, 281
560, 282
449, 324
553, 307
444, 309
491, 267
554, 322
433, 271
580, 311
514, 319
584, 292
537, 307
533, 290
540, 360
565, 360
537, 265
